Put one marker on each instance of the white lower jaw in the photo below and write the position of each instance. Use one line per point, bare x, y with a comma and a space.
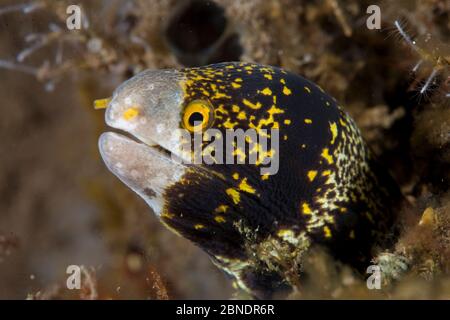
144, 169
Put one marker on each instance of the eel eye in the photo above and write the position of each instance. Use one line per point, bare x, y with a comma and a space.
197, 115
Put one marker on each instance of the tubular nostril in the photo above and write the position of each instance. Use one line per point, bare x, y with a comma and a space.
197, 34
123, 117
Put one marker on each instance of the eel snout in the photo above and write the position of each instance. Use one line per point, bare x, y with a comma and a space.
145, 169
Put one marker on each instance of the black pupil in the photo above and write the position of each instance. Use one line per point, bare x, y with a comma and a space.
195, 118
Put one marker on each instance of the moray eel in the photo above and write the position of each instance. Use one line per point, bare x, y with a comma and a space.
329, 191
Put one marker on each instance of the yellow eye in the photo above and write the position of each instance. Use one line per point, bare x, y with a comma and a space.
198, 115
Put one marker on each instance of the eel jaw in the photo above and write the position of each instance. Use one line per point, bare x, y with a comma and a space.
146, 169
